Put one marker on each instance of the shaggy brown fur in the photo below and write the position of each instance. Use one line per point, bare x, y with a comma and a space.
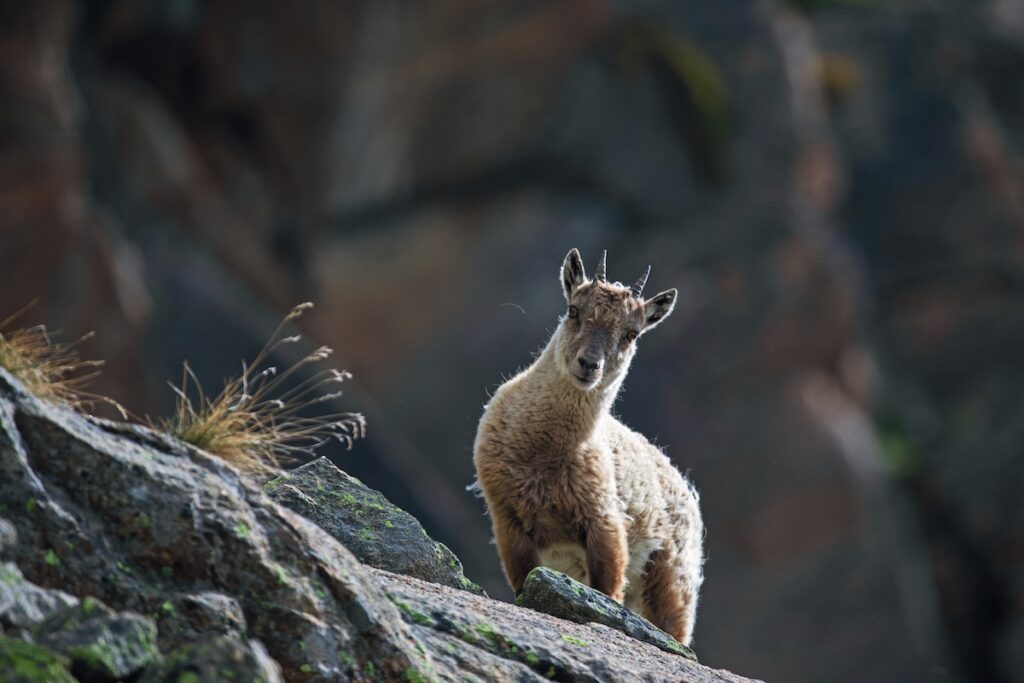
569, 486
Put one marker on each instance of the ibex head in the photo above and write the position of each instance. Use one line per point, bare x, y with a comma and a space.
597, 335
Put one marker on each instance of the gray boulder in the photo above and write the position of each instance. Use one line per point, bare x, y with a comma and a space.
379, 533
24, 605
554, 593
497, 641
105, 513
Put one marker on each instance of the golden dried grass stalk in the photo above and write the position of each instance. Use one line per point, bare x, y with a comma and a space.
253, 422
49, 369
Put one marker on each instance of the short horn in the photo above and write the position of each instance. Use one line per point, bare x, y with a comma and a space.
602, 266
638, 286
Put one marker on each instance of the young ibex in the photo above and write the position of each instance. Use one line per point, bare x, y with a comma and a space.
568, 485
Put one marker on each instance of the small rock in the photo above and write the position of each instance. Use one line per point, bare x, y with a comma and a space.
22, 662
225, 658
100, 642
377, 532
554, 593
23, 604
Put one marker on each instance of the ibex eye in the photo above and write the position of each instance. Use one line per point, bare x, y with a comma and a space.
631, 335
574, 312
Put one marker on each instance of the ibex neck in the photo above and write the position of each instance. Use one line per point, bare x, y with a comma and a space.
562, 401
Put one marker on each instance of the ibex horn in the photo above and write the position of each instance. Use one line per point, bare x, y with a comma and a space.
638, 286
602, 266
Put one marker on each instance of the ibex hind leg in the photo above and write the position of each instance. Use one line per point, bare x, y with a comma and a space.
668, 604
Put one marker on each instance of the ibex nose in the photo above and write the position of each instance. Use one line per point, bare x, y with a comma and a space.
588, 366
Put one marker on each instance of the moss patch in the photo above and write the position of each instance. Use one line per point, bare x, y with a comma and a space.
274, 483
574, 640
24, 662
281, 574
414, 676
413, 615
9, 575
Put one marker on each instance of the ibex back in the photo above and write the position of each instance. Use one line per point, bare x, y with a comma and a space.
571, 487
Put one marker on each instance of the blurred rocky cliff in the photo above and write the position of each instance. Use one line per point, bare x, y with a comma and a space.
836, 188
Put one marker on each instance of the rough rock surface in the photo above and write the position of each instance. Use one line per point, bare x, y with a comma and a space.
554, 593
377, 532
191, 617
23, 605
100, 642
144, 533
536, 644
223, 658
87, 636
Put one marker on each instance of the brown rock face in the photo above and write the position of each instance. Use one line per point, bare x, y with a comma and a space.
835, 189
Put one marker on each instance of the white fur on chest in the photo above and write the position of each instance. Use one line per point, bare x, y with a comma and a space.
568, 558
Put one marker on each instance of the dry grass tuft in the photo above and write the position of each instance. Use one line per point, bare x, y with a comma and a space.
49, 369
252, 423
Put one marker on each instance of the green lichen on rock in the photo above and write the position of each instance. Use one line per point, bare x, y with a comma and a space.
22, 662
554, 593
412, 614
99, 641
412, 675
281, 574
9, 575
377, 532
574, 640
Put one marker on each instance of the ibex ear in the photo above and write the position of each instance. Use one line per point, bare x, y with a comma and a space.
658, 307
573, 274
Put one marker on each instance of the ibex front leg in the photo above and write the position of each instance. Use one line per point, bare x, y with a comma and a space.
516, 549
607, 556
